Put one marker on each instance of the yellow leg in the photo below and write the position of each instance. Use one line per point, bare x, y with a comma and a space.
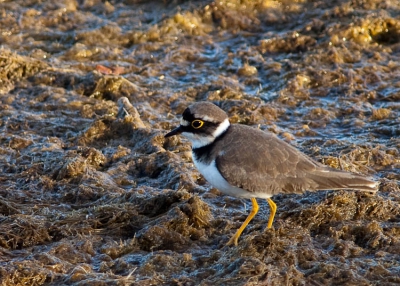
254, 210
272, 207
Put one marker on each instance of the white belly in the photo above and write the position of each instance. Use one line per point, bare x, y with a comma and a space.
214, 177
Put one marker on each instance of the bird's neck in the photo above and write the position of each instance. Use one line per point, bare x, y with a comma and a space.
203, 153
221, 129
200, 140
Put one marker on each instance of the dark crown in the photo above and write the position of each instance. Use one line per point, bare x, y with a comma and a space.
206, 111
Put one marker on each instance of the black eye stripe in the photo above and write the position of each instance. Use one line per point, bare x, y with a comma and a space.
208, 127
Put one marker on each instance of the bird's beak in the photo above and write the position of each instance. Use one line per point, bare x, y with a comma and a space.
176, 131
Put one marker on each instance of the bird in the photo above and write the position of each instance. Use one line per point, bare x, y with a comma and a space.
246, 162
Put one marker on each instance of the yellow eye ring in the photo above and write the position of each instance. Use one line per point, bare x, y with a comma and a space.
196, 124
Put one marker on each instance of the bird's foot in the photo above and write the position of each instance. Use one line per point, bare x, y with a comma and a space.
233, 241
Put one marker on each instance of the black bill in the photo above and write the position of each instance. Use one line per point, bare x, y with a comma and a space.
176, 131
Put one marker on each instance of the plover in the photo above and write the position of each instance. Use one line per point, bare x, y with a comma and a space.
246, 162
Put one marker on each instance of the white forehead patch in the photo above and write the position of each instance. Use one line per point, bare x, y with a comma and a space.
184, 122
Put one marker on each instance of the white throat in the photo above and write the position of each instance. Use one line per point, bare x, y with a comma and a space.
201, 140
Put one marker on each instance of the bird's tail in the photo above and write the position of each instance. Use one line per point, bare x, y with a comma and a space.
331, 179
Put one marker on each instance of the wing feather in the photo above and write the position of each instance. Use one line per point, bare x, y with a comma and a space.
264, 163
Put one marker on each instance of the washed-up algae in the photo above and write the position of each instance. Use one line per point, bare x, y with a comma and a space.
91, 193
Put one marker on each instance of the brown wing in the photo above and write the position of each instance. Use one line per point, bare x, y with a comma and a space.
265, 163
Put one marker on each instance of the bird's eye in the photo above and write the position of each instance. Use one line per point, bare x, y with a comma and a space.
196, 124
